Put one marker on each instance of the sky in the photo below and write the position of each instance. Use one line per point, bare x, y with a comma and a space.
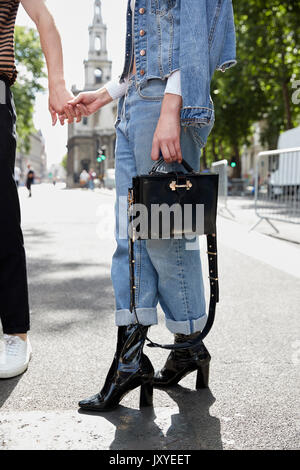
73, 18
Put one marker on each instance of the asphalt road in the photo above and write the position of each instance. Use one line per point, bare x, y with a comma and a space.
253, 400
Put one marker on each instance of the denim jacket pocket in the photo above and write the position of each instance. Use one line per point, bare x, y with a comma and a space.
153, 91
161, 7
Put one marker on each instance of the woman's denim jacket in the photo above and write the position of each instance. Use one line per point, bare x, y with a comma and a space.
195, 36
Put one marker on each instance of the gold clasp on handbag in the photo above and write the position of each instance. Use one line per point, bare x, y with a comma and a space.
187, 185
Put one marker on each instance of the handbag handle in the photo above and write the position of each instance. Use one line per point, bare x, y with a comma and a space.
161, 161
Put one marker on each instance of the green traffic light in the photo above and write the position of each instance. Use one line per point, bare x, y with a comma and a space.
233, 165
101, 157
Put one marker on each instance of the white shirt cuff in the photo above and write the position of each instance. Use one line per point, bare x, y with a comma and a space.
115, 89
174, 84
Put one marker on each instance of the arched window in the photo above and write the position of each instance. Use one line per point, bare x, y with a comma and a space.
98, 44
98, 75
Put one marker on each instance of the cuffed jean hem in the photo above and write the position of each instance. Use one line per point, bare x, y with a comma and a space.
186, 327
146, 317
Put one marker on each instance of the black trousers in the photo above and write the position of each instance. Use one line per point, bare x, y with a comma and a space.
14, 308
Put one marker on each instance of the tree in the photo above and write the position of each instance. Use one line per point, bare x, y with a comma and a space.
269, 32
30, 64
260, 86
64, 162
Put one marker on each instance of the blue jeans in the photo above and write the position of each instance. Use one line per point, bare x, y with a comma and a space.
165, 271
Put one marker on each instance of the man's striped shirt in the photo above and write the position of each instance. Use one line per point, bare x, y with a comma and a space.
8, 13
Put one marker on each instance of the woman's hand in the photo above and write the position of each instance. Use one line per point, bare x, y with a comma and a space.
58, 98
89, 102
167, 134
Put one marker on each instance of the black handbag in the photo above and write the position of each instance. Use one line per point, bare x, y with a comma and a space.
183, 192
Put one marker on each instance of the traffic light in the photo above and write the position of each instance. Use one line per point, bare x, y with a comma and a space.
101, 155
233, 162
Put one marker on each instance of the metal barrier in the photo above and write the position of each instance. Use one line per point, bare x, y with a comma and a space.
277, 186
221, 168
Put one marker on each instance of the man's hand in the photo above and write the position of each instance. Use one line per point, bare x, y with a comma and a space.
59, 96
167, 134
89, 102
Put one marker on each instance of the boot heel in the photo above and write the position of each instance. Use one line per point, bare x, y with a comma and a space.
202, 377
146, 395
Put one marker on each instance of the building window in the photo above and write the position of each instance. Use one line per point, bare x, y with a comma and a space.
84, 120
98, 76
98, 44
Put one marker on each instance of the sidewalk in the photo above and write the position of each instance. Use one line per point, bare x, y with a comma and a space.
242, 209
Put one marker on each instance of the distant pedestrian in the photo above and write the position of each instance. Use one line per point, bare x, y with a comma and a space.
29, 180
84, 179
92, 176
17, 175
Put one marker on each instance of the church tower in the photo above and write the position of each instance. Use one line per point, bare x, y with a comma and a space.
97, 131
97, 67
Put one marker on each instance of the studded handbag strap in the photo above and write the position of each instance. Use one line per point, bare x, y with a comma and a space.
214, 287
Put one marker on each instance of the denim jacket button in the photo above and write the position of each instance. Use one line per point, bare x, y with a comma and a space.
142, 32
142, 11
142, 52
142, 72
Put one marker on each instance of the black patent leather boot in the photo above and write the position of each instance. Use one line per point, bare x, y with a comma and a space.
130, 369
182, 362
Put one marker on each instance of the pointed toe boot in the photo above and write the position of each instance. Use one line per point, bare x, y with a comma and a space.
182, 362
130, 369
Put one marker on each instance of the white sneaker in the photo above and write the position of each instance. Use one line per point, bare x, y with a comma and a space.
14, 356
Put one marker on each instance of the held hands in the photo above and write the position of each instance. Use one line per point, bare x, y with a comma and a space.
167, 134
89, 102
58, 98
67, 107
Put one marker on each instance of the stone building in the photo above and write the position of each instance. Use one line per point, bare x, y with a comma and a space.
36, 157
96, 131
